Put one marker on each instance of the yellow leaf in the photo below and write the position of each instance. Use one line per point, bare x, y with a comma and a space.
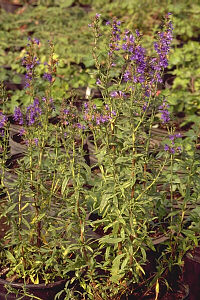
157, 289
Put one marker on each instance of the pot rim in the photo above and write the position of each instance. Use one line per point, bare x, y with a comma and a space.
35, 286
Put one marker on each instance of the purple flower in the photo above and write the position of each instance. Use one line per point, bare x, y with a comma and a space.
97, 16
81, 126
85, 105
3, 120
33, 111
162, 46
98, 120
121, 94
103, 119
36, 41
36, 102
172, 137
165, 115
144, 106
48, 77
113, 113
36, 140
22, 132
137, 32
127, 76
98, 82
114, 44
30, 63
179, 148
166, 147
172, 150
66, 111
114, 94
18, 116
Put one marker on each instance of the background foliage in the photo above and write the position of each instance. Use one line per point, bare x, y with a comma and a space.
66, 23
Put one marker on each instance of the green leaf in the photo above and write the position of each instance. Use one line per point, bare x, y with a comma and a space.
115, 271
9, 209
10, 257
143, 254
109, 240
65, 3
104, 201
64, 184
16, 79
25, 222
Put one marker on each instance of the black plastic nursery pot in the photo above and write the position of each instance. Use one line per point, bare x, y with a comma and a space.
42, 291
192, 273
15, 145
180, 292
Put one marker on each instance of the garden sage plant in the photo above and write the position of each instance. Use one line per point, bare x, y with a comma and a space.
92, 193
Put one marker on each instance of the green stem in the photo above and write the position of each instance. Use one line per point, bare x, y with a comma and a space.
153, 182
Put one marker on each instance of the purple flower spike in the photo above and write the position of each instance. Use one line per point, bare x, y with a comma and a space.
33, 111
165, 115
